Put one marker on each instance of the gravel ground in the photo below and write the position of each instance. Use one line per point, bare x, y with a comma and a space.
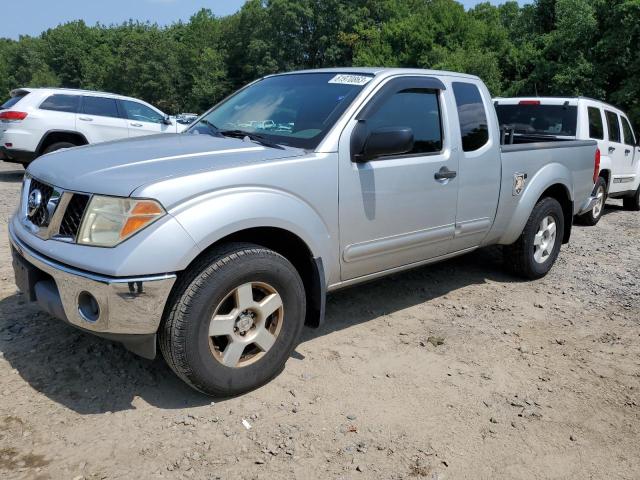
456, 370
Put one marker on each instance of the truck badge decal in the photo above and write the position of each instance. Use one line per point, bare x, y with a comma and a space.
519, 180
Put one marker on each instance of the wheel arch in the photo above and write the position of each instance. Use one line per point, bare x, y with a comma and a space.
293, 248
55, 136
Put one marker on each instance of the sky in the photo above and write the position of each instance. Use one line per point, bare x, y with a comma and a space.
31, 17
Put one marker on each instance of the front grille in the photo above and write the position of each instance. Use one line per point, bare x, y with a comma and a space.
40, 216
73, 215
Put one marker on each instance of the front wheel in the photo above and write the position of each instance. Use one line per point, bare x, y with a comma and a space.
233, 320
537, 248
593, 216
632, 203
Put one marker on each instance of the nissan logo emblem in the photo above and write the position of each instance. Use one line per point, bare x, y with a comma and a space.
34, 202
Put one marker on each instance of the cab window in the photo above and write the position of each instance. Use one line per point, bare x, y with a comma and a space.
416, 108
140, 112
596, 127
613, 126
472, 116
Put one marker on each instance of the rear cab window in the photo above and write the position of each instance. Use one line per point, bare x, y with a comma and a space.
596, 126
613, 125
471, 115
61, 103
13, 100
100, 106
535, 118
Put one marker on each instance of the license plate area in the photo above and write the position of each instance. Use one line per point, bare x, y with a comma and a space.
26, 275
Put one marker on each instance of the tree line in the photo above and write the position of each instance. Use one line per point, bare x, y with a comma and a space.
548, 47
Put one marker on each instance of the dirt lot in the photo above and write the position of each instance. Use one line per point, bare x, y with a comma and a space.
532, 380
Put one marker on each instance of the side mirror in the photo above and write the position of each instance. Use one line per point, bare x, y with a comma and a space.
167, 120
383, 142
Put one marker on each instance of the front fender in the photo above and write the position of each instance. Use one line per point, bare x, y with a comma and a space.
213, 216
522, 205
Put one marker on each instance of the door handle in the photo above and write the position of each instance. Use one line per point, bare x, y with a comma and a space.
86, 119
612, 149
445, 174
627, 152
136, 124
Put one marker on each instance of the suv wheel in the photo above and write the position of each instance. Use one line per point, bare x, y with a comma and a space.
233, 320
58, 146
632, 203
537, 249
593, 216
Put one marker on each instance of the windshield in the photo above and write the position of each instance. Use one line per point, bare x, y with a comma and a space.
296, 110
559, 120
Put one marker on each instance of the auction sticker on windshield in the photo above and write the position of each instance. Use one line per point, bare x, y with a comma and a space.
345, 79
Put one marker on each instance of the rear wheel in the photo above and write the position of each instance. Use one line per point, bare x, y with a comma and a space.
632, 203
537, 248
58, 146
233, 320
593, 216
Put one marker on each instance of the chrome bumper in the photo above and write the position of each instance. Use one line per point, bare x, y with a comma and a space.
127, 306
589, 204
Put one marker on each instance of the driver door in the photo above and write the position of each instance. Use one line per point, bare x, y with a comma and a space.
142, 120
396, 210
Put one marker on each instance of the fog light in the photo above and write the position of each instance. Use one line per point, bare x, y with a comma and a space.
88, 307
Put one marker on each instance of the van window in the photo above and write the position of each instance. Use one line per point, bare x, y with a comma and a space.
629, 137
417, 109
596, 127
103, 107
613, 126
61, 103
471, 115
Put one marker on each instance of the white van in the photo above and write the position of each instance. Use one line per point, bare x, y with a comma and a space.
557, 118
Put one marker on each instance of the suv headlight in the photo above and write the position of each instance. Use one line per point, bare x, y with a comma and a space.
110, 220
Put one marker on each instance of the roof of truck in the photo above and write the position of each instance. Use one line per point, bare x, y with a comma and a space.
382, 70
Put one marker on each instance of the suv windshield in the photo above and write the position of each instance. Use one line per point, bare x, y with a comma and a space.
13, 100
557, 120
296, 110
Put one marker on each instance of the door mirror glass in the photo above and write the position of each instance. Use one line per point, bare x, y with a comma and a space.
167, 120
386, 141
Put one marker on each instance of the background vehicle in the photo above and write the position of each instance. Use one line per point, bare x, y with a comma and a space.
186, 118
225, 242
35, 121
548, 119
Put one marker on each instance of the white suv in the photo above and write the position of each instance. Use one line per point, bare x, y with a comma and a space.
560, 118
35, 121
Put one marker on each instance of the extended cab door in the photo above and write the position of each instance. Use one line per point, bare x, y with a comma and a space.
397, 209
99, 120
143, 120
480, 168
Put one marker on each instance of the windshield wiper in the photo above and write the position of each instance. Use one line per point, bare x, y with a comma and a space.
253, 136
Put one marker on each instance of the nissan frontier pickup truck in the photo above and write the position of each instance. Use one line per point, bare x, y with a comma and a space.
220, 243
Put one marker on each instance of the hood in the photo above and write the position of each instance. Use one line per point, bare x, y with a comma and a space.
118, 168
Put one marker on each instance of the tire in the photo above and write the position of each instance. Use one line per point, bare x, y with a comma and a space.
524, 257
58, 146
593, 216
211, 288
632, 203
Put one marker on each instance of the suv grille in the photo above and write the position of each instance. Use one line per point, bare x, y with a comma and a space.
73, 215
40, 217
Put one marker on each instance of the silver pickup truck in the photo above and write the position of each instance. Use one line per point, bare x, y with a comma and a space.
220, 243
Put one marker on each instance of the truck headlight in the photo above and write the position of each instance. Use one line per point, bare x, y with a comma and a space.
110, 220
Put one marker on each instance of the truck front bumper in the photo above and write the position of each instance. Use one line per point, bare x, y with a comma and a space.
128, 310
